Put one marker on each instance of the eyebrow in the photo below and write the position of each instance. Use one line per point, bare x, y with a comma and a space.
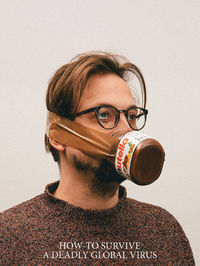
133, 105
107, 104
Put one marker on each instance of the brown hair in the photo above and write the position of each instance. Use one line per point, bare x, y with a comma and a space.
66, 87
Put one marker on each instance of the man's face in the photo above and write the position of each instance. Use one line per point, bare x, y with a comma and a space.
108, 89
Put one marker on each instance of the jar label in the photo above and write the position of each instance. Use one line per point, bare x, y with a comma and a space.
125, 150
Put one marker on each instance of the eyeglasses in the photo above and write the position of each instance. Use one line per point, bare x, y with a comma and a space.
108, 116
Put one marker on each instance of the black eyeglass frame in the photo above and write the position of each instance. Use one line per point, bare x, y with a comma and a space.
96, 110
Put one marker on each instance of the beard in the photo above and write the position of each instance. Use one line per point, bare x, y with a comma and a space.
105, 179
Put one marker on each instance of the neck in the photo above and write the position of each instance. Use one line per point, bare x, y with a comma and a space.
85, 191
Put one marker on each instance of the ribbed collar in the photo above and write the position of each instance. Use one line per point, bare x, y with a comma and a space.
69, 211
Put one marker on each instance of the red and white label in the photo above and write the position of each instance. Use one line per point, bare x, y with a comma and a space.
125, 150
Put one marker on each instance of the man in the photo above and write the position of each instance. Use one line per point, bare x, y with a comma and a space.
86, 217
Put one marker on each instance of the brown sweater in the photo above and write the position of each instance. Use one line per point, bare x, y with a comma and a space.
49, 231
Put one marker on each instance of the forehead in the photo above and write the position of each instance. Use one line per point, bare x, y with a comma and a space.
106, 89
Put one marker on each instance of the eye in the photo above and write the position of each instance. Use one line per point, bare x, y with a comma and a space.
132, 117
104, 115
107, 114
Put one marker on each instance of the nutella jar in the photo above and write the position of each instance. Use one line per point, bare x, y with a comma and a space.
139, 158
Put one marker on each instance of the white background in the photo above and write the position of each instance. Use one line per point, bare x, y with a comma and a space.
161, 37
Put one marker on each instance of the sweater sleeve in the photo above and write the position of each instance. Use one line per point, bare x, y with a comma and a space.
13, 232
7, 248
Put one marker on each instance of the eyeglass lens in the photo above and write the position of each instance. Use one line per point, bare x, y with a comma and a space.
108, 116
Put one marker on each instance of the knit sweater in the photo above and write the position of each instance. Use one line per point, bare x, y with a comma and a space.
48, 231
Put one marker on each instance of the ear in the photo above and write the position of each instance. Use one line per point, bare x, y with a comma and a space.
56, 145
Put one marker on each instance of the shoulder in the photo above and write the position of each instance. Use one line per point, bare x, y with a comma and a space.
22, 215
142, 211
17, 226
153, 212
160, 226
155, 220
